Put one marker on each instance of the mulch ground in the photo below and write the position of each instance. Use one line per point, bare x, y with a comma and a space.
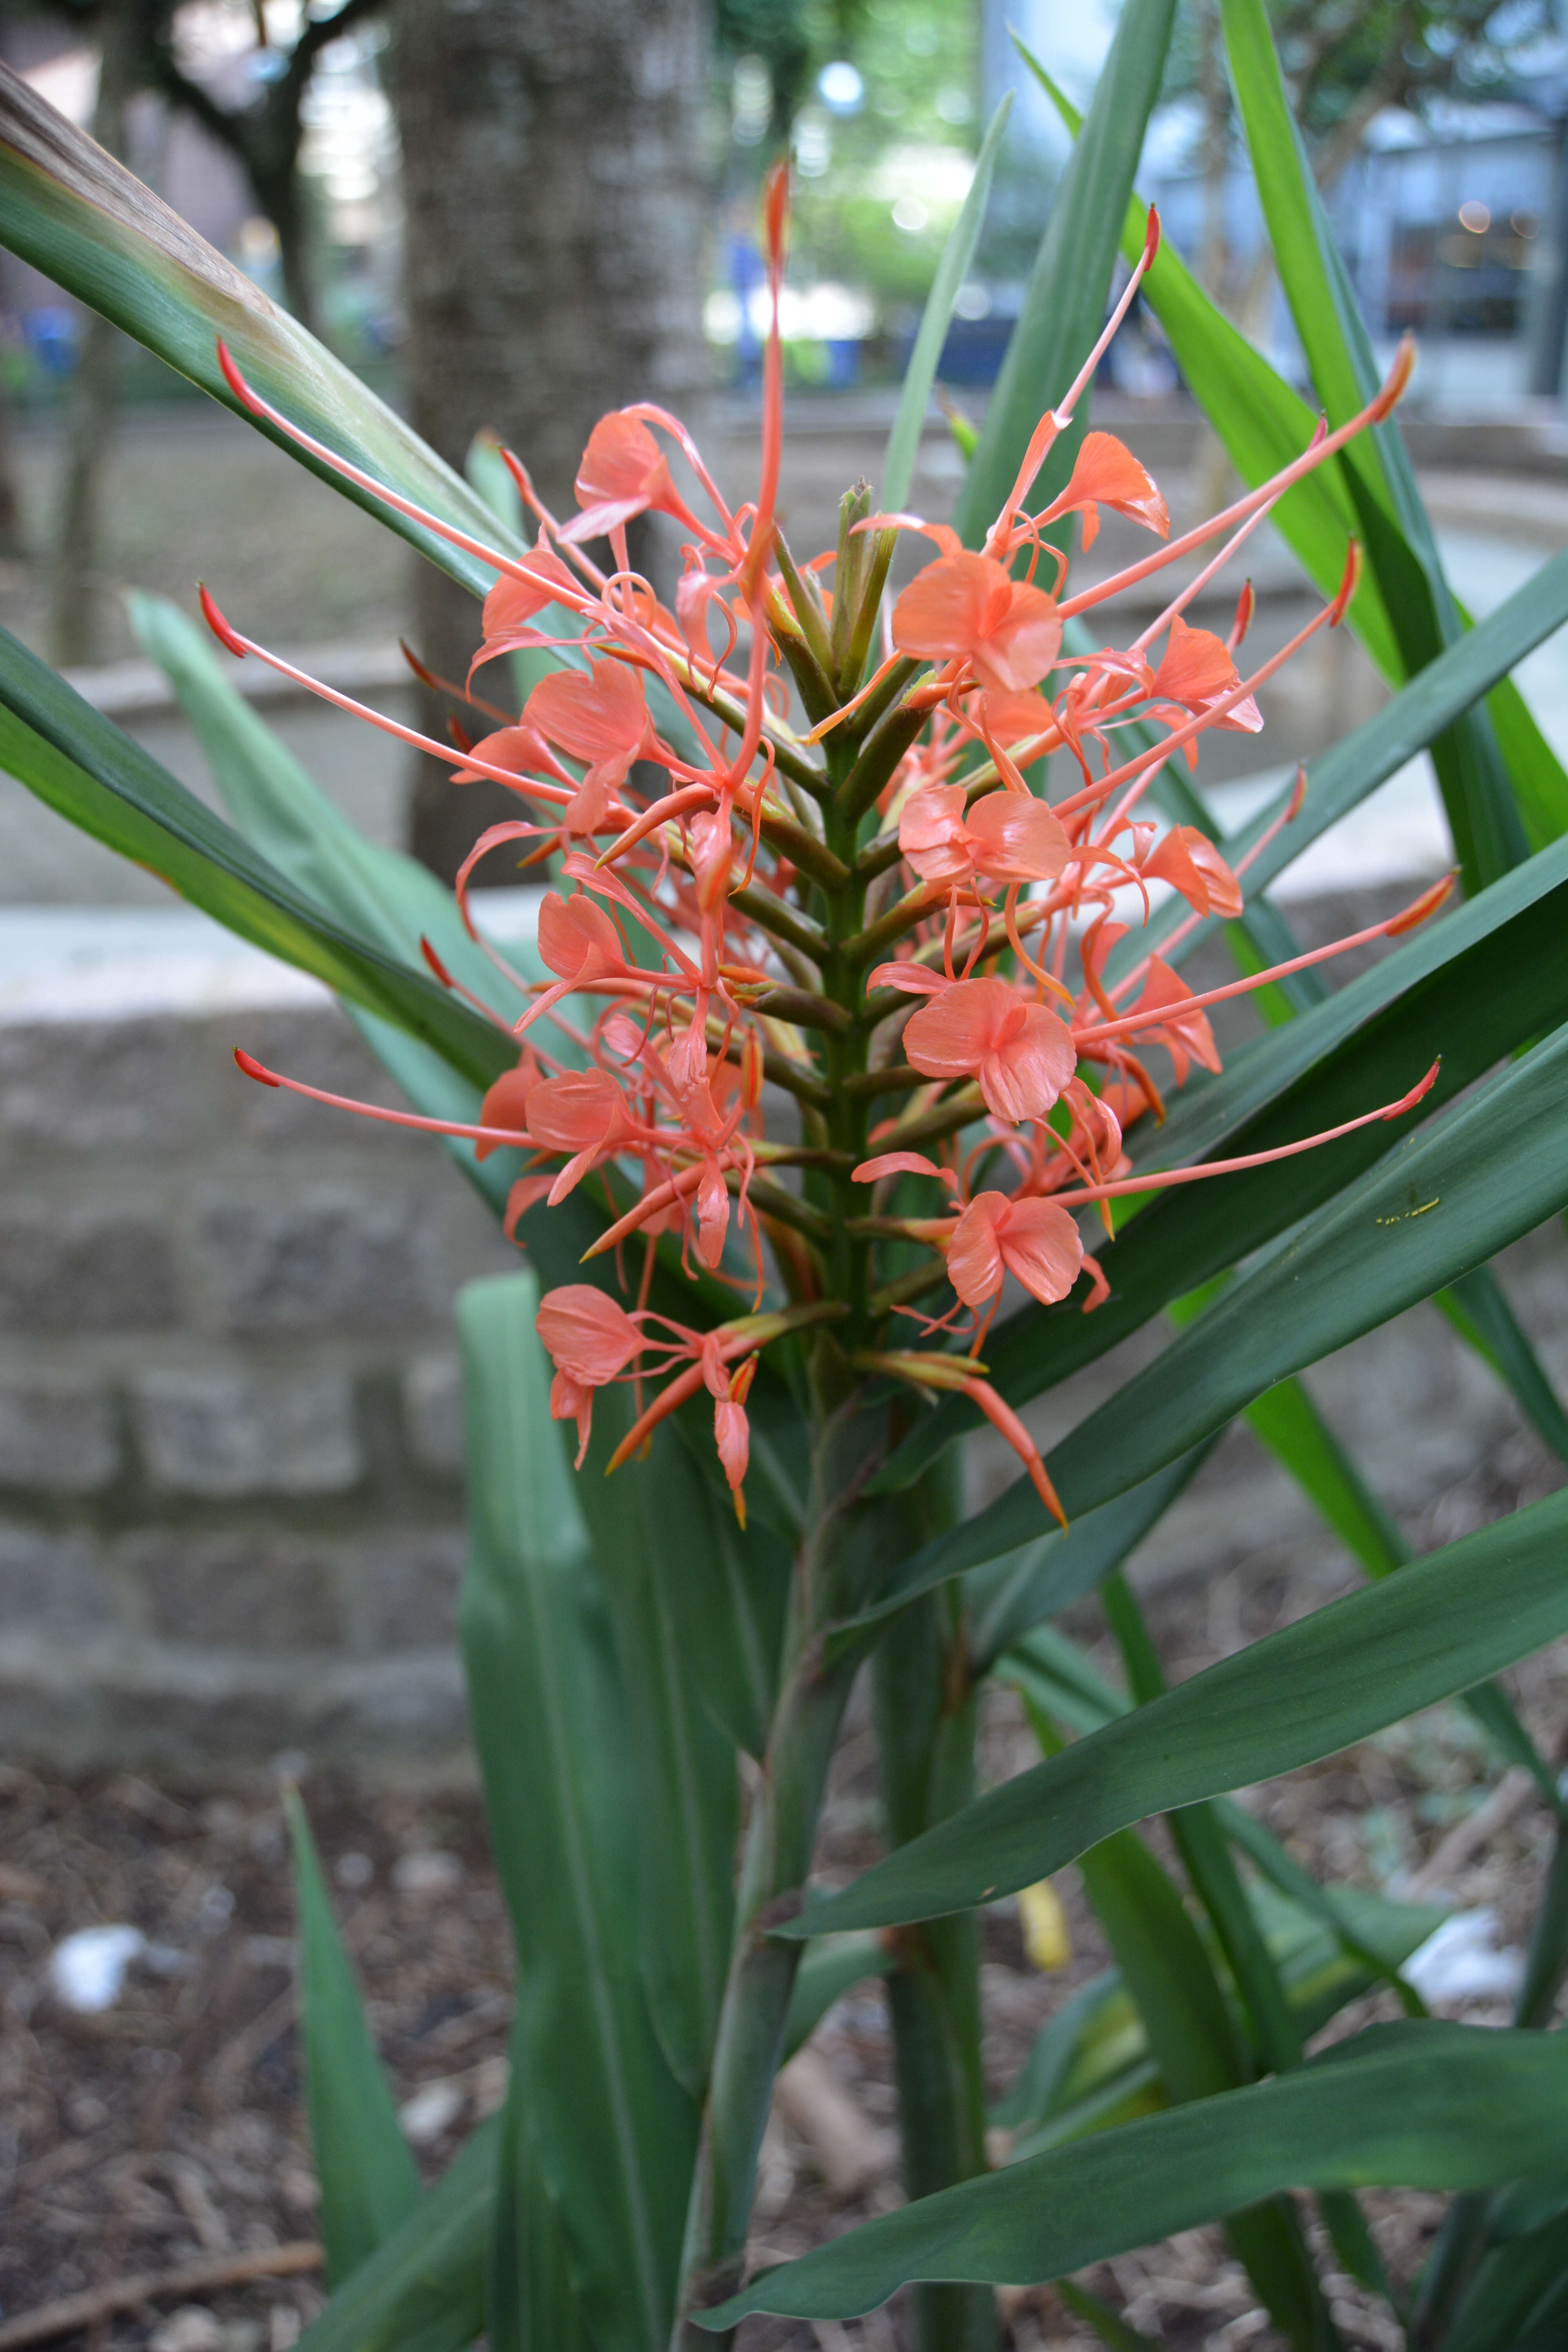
168, 2130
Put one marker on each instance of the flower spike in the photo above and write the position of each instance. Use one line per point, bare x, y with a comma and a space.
901, 929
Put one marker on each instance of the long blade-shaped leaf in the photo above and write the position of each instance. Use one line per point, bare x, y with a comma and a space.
1487, 828
80, 217
1166, 1969
1007, 1596
1004, 1599
649, 1531
529, 2302
1064, 305
1478, 1310
84, 766
909, 419
614, 2134
1264, 423
1054, 1676
369, 2180
1417, 2106
1440, 1626
423, 2290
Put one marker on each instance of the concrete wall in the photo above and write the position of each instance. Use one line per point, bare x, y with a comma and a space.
230, 1434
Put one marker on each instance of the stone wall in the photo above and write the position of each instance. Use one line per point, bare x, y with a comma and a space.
230, 1426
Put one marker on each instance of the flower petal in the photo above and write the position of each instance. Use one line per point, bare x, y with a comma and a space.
585, 1334
1041, 1245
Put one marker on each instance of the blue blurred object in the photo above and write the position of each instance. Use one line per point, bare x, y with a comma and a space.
973, 352
53, 335
843, 362
747, 271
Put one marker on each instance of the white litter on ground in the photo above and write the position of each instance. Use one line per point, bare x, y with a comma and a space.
88, 1970
1461, 1961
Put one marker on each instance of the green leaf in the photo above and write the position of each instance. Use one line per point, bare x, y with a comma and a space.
651, 1528
1485, 826
80, 217
1413, 2106
1264, 424
909, 421
1174, 1981
82, 764
1495, 2313
423, 2288
1163, 1966
1108, 2325
1440, 1626
1004, 1598
1478, 1310
1437, 1204
1291, 1427
612, 2132
529, 2305
719, 1594
1064, 304
828, 1970
369, 2180
1032, 2093
1051, 1673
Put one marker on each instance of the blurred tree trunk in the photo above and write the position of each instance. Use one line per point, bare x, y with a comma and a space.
75, 633
553, 185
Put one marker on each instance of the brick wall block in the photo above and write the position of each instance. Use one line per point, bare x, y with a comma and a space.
401, 1591
251, 1587
89, 1085
327, 1259
84, 1270
433, 1414
227, 1430
56, 1583
57, 1437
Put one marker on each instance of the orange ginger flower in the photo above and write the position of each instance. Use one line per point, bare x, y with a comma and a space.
705, 931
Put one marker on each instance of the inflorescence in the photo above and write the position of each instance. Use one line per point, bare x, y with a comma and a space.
851, 896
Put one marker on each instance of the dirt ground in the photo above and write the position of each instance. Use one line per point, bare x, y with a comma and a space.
170, 2129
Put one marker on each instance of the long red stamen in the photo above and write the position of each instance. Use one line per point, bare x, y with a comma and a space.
1417, 912
459, 1127
554, 795
1161, 1181
1321, 449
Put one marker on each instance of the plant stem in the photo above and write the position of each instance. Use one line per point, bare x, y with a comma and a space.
925, 1730
852, 1546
